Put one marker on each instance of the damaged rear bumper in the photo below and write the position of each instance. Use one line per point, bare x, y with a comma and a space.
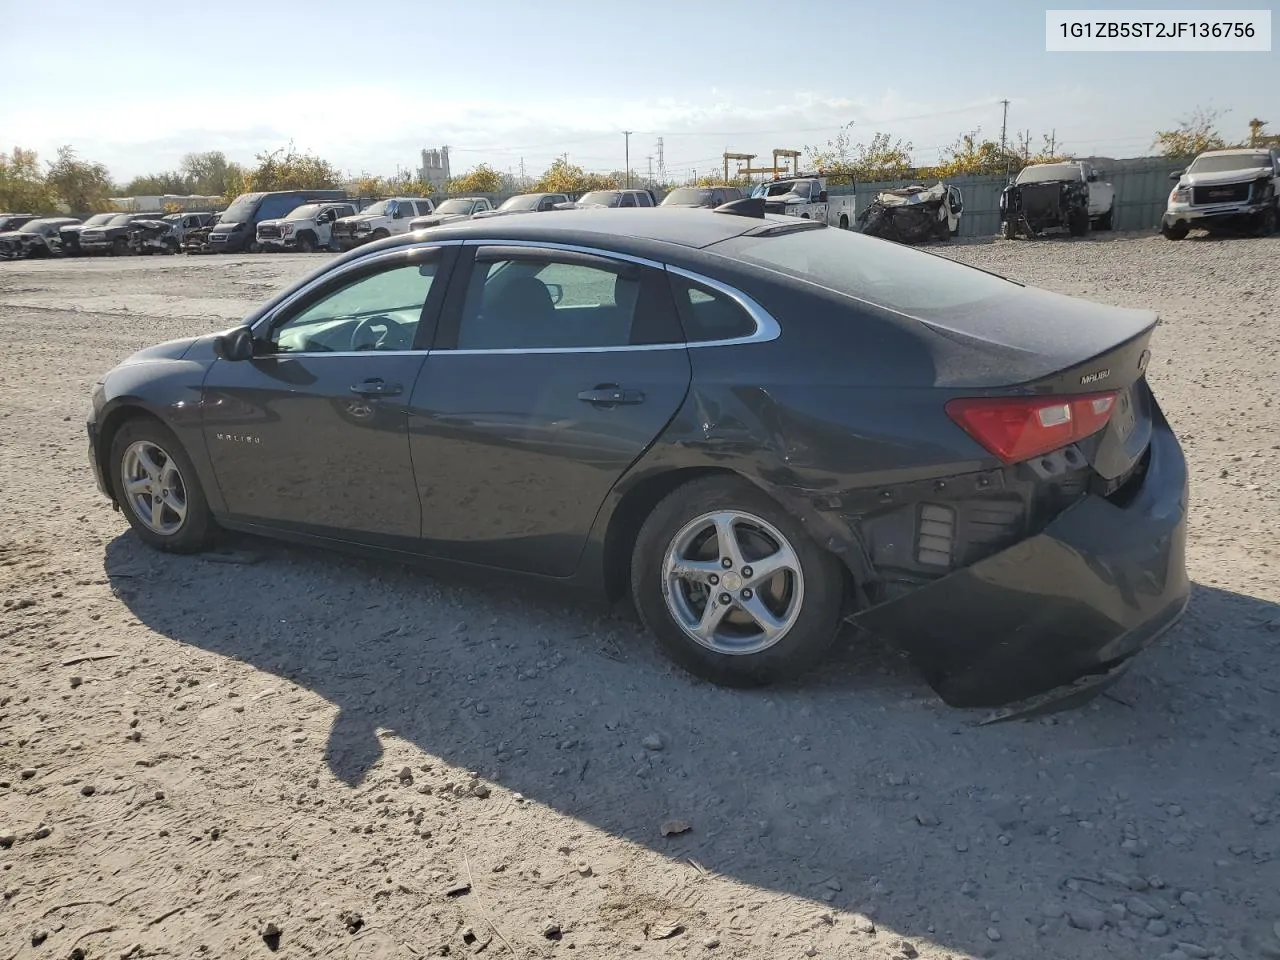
1058, 614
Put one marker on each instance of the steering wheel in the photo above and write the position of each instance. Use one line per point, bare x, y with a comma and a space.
394, 335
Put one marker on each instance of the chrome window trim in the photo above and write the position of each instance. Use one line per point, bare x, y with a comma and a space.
766, 326
401, 253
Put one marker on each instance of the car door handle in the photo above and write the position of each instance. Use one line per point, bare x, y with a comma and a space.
610, 394
377, 388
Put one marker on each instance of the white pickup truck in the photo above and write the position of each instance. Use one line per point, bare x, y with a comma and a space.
1102, 198
383, 219
306, 228
1228, 190
455, 208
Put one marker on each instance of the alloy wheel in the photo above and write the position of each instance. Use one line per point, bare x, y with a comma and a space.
732, 582
153, 485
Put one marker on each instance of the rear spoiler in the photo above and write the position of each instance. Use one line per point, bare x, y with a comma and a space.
746, 207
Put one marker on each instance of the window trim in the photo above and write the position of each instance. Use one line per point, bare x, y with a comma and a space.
264, 324
767, 327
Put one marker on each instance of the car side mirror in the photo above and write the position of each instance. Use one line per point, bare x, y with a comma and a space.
556, 291
234, 345
1175, 176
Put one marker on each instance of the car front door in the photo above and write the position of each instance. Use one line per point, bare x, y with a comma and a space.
311, 433
553, 371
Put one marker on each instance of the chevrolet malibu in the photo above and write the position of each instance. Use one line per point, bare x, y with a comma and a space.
757, 427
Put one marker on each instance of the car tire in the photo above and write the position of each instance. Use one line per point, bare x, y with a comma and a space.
1177, 231
802, 603
252, 246
1078, 223
1104, 221
146, 461
119, 247
844, 221
306, 243
1009, 229
380, 234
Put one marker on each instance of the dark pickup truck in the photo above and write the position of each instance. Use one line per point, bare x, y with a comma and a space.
123, 234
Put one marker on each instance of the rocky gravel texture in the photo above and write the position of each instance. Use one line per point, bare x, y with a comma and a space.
272, 750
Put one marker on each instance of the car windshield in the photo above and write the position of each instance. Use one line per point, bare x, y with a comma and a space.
528, 202
98, 219
1049, 171
242, 208
305, 212
378, 209
1220, 162
686, 195
33, 226
878, 271
603, 198
120, 219
450, 207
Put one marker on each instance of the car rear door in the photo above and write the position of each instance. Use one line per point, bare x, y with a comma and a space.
311, 434
553, 371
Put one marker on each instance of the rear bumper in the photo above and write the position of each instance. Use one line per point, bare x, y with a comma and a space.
1060, 612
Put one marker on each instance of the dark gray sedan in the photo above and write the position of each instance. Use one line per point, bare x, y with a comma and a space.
757, 427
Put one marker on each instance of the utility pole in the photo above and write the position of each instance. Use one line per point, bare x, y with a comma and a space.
1004, 123
662, 164
650, 159
627, 135
522, 171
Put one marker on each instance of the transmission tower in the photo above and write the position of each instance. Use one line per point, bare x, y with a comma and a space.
662, 165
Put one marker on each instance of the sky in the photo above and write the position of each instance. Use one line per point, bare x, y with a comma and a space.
136, 84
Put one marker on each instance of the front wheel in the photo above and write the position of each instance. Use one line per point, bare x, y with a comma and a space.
1078, 223
120, 247
844, 221
380, 234
306, 243
157, 487
1104, 221
1009, 229
1176, 231
732, 586
252, 246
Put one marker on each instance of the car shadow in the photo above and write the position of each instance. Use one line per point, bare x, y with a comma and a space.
855, 789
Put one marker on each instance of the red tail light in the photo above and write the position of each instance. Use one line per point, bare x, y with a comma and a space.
1019, 428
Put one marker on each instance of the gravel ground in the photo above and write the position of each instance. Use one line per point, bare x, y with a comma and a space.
278, 749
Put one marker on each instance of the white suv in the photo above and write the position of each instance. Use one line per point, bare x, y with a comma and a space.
305, 228
383, 219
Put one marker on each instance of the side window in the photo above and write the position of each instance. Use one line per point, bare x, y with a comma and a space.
545, 303
628, 200
422, 207
645, 200
707, 314
375, 311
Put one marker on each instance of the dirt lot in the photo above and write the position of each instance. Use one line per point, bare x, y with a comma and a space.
357, 760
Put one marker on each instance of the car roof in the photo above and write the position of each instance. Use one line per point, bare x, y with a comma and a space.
635, 227
1237, 152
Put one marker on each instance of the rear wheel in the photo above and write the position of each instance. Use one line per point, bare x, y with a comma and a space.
1176, 231
120, 247
252, 246
844, 221
732, 586
156, 486
1009, 229
1104, 221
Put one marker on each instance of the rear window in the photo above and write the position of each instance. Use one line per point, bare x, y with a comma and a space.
881, 272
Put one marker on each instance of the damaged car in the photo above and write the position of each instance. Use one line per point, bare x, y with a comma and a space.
1045, 198
756, 427
196, 239
12, 221
69, 236
34, 239
453, 210
129, 233
914, 214
1226, 190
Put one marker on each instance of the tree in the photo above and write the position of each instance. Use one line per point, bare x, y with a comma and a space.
1258, 136
718, 180
481, 179
206, 172
286, 169
565, 177
153, 184
1194, 134
23, 186
972, 155
843, 161
84, 187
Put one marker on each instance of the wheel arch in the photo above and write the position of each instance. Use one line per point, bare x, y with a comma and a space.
122, 412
